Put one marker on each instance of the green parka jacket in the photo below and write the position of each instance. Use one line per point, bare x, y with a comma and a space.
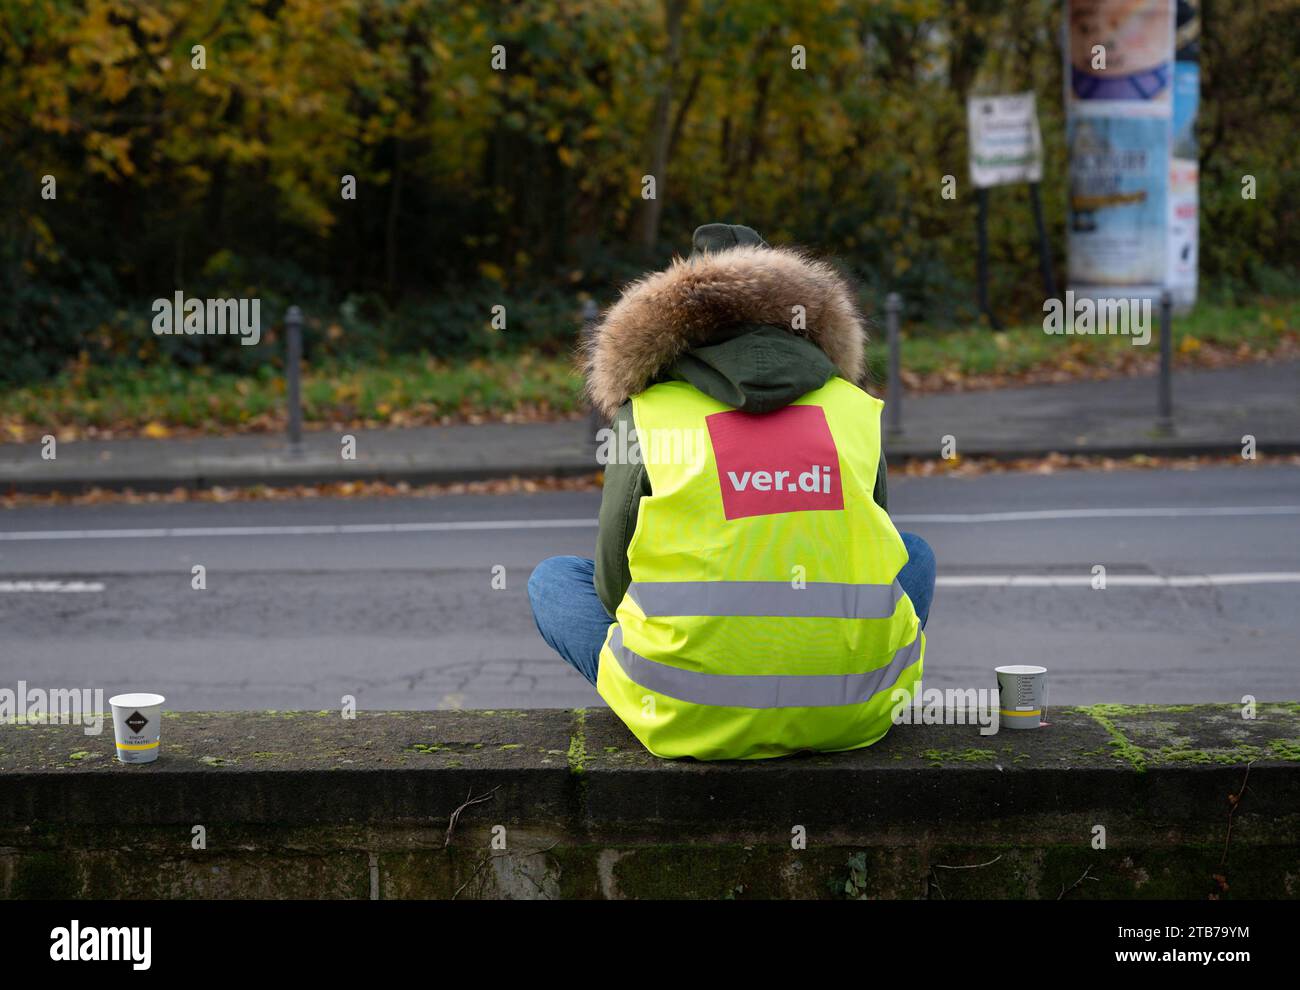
723, 320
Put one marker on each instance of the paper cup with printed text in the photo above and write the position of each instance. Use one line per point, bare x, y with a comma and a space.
1022, 696
137, 719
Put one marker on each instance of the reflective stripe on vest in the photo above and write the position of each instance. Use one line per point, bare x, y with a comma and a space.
817, 600
761, 690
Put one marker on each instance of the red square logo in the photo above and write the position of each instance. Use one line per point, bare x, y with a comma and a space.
782, 461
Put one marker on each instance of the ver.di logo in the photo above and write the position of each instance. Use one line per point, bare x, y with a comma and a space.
782, 461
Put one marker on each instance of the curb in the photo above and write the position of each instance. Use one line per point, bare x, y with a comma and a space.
279, 472
1154, 448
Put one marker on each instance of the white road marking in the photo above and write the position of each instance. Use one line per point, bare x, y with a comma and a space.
1115, 580
952, 581
19, 587
342, 529
354, 529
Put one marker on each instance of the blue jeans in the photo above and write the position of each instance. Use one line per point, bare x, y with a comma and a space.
573, 622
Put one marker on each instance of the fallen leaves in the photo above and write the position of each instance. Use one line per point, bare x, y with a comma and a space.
20, 431
541, 386
337, 489
970, 467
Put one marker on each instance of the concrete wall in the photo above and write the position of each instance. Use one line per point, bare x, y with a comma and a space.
308, 804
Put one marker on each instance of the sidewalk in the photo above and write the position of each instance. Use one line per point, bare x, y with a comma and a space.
1212, 411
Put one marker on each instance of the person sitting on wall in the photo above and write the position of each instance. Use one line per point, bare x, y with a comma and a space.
750, 596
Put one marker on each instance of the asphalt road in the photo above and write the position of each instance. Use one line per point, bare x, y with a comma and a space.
391, 601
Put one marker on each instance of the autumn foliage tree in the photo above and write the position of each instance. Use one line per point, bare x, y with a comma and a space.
499, 152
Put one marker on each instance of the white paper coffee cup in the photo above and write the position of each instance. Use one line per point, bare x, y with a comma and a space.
1022, 696
137, 721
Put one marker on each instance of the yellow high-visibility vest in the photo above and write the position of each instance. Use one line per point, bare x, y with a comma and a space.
764, 615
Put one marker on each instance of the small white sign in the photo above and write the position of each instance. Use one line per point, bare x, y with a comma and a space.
1005, 143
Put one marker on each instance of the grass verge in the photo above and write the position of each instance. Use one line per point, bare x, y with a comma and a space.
159, 401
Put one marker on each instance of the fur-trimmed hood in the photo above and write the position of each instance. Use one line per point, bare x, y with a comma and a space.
665, 314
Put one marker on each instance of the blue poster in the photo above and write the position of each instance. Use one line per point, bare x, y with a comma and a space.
1118, 206
1187, 98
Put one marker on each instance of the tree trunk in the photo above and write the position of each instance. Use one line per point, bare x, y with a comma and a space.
390, 226
661, 133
